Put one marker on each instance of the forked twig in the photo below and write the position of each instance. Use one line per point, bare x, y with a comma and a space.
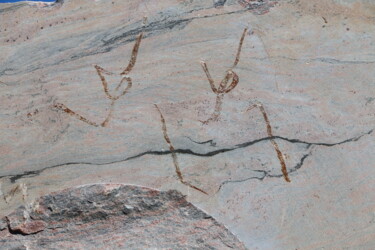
223, 87
174, 155
113, 97
270, 135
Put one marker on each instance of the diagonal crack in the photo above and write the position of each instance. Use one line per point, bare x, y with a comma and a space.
27, 174
265, 174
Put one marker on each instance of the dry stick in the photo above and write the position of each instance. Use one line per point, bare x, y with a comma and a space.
72, 113
270, 135
215, 115
100, 71
234, 83
224, 83
239, 48
173, 152
120, 84
209, 77
130, 84
220, 93
134, 55
111, 107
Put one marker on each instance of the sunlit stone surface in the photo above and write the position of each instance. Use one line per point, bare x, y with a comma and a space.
309, 64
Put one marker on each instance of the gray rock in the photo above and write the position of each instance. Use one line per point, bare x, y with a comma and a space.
94, 217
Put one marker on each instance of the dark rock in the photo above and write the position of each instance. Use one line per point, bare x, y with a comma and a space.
219, 3
112, 217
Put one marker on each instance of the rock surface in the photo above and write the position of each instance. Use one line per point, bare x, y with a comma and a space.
114, 217
307, 66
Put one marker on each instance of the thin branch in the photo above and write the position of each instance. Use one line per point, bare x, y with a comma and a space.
215, 115
239, 48
223, 86
72, 113
224, 82
209, 77
130, 84
234, 82
111, 107
129, 80
99, 70
173, 153
134, 55
271, 136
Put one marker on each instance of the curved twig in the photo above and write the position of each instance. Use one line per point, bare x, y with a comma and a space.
100, 71
223, 86
234, 83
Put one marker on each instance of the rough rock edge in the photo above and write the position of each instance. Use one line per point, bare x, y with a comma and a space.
104, 210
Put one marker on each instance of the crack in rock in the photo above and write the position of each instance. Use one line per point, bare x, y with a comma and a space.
266, 174
28, 174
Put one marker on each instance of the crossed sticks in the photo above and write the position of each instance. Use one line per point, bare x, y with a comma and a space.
223, 87
113, 97
220, 92
260, 107
174, 155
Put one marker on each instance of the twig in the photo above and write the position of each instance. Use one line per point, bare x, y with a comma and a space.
215, 115
134, 55
100, 71
270, 135
67, 110
223, 87
174, 155
239, 48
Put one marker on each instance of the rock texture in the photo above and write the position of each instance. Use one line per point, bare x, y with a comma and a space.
273, 136
114, 217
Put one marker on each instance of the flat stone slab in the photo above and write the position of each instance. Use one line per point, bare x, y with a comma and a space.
260, 112
114, 217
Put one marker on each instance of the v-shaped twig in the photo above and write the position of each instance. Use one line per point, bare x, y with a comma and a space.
223, 86
113, 97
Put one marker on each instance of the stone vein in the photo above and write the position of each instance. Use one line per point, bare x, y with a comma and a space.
28, 174
107, 45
